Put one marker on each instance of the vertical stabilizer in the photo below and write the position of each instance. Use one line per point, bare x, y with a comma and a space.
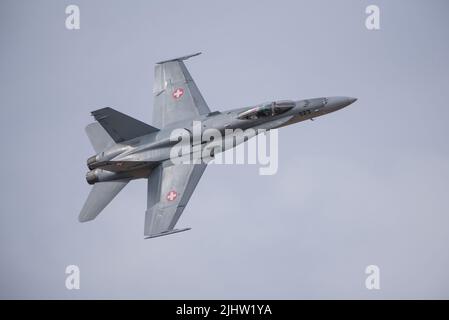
98, 137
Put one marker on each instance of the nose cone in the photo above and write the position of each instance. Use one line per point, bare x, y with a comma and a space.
336, 103
351, 100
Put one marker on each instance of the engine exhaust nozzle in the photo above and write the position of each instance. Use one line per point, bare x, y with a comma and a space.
91, 161
91, 177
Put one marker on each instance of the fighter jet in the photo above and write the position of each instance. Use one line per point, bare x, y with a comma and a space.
128, 149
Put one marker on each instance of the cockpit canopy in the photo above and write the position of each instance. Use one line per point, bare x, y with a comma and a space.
269, 109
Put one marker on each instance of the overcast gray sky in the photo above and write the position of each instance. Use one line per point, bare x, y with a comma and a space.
366, 185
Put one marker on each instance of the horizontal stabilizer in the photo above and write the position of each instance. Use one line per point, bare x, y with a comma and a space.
167, 233
120, 126
99, 197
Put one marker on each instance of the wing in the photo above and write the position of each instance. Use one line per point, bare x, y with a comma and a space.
169, 190
176, 96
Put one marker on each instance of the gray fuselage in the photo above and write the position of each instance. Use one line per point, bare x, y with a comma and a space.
135, 158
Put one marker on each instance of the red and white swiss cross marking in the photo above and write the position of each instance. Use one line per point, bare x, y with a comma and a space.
178, 93
171, 196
